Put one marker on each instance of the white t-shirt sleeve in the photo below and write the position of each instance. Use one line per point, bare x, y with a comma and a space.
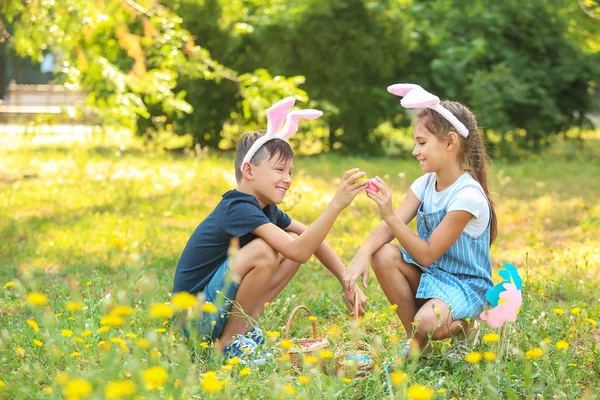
474, 202
419, 185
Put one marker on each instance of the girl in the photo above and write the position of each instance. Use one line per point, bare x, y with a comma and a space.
439, 277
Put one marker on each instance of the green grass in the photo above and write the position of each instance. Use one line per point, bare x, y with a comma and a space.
104, 224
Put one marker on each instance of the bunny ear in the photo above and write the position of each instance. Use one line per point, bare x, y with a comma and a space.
401, 89
291, 124
276, 114
419, 98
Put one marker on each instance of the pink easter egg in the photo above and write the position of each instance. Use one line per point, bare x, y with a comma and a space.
371, 186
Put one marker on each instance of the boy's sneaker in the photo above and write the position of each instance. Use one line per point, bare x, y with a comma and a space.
257, 335
245, 349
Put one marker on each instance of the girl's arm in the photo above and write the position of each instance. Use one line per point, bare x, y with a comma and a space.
425, 252
359, 266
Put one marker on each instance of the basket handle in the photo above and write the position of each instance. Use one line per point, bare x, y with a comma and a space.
289, 321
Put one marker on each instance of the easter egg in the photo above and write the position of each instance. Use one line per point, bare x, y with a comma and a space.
371, 186
361, 359
360, 179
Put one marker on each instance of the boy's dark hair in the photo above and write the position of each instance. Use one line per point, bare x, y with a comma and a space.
275, 147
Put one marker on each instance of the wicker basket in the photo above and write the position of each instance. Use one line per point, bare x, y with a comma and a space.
305, 346
355, 355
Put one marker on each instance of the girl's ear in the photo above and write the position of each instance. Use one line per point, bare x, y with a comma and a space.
247, 171
452, 140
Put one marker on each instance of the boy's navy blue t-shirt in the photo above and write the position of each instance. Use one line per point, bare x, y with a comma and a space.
236, 215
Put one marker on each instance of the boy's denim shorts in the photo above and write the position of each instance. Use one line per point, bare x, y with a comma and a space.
220, 291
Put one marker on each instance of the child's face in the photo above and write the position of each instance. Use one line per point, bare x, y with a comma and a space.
429, 150
273, 179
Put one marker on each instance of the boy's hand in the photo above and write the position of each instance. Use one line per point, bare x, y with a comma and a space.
383, 198
349, 299
359, 266
349, 188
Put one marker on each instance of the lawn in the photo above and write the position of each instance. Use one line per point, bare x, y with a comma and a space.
97, 227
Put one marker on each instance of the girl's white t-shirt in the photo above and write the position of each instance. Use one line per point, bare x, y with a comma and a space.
470, 199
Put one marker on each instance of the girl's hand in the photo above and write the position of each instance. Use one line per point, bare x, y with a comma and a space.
383, 198
359, 266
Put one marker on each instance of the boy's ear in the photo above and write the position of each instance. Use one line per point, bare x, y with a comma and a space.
248, 171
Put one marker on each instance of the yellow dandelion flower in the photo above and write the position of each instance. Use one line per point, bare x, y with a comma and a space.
62, 378
572, 328
75, 354
394, 339
575, 310
183, 300
289, 389
118, 389
303, 379
267, 304
34, 325
441, 391
491, 338
312, 318
104, 346
490, 356
75, 306
285, 344
47, 390
130, 335
37, 299
572, 365
245, 371
89, 283
534, 353
58, 315
210, 382
103, 329
398, 378
160, 330
19, 352
334, 330
227, 367
9, 284
234, 361
473, 357
122, 311
393, 307
310, 359
205, 345
66, 333
143, 343
71, 319
347, 380
161, 310
38, 343
77, 388
591, 321
273, 334
562, 345
112, 320
77, 339
325, 354
155, 377
418, 392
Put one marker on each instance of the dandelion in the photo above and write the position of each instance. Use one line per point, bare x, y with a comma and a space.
103, 329
473, 357
591, 321
398, 378
325, 354
161, 310
347, 380
160, 330
143, 343
88, 283
562, 345
38, 343
183, 300
441, 391
75, 354
130, 335
155, 377
9, 284
418, 392
534, 353
34, 325
19, 352
575, 310
334, 330
66, 333
303, 379
310, 359
210, 382
74, 306
289, 389
122, 311
285, 344
209, 307
490, 356
205, 345
393, 307
77, 388
112, 320
491, 338
245, 371
312, 318
559, 311
118, 389
273, 334
37, 299
234, 361
47, 390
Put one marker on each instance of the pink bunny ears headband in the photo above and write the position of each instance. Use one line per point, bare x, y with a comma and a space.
414, 96
276, 115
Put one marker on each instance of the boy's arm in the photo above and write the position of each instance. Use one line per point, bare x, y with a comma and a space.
381, 235
334, 264
305, 245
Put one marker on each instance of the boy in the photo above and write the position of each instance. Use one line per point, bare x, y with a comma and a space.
272, 245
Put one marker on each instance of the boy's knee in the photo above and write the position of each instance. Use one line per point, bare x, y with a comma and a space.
383, 257
266, 256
